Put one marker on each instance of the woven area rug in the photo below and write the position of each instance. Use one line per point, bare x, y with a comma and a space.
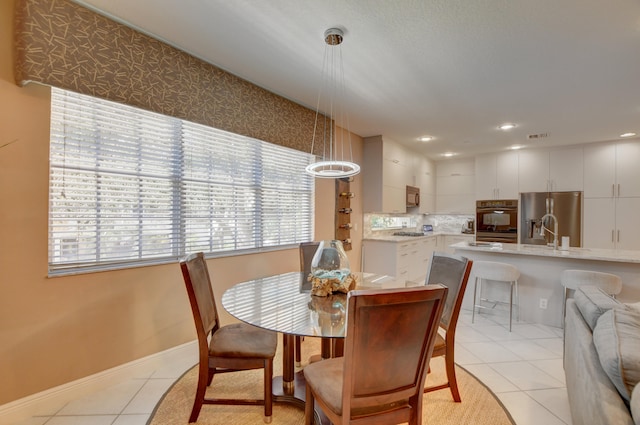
478, 406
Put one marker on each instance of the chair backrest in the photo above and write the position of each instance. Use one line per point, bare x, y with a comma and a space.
610, 283
203, 303
389, 341
307, 251
453, 272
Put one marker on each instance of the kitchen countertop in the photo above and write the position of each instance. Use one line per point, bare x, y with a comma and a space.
613, 255
392, 238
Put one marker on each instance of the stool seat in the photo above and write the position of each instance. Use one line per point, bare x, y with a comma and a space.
497, 272
572, 279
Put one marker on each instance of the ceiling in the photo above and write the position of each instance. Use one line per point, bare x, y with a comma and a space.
451, 69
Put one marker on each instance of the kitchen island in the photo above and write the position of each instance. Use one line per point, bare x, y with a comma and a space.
540, 270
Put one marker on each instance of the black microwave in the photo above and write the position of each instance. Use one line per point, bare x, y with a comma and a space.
413, 196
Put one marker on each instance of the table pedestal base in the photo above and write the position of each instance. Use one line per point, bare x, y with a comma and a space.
297, 397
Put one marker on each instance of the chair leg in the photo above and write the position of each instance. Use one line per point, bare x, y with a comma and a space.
268, 390
473, 311
517, 301
451, 372
203, 378
309, 406
564, 305
510, 306
212, 372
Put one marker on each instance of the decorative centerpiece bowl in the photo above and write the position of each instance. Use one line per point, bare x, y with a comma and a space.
330, 272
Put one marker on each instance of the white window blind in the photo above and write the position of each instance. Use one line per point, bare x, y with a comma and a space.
130, 187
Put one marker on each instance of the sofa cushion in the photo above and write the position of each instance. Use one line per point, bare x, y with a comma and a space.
593, 302
635, 405
617, 341
633, 306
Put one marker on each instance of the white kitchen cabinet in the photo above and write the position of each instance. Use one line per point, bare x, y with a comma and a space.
556, 170
611, 223
566, 169
600, 166
612, 195
599, 223
425, 173
427, 247
386, 170
496, 176
612, 170
533, 170
408, 259
628, 169
627, 230
455, 186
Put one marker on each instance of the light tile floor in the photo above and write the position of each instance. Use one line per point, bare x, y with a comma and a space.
523, 368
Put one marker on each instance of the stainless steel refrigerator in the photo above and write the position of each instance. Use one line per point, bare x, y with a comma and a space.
565, 206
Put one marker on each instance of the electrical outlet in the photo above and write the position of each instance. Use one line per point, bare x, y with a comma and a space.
543, 303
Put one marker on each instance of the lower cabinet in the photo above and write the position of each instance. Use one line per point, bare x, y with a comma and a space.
407, 259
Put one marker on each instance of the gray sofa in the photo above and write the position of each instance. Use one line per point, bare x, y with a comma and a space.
602, 359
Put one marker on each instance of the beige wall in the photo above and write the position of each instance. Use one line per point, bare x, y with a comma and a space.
53, 331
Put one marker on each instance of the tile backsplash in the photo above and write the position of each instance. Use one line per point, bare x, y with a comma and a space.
413, 222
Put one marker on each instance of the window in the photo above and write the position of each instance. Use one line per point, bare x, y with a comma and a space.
131, 187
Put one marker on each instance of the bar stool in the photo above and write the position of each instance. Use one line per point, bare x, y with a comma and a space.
499, 272
571, 279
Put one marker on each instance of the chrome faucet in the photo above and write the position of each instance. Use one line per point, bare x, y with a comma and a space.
555, 228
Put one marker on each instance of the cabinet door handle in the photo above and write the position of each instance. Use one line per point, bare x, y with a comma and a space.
612, 236
618, 190
618, 236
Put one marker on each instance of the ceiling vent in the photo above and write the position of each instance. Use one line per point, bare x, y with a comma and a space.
537, 136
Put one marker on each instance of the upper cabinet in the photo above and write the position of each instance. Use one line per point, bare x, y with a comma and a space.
455, 187
385, 176
545, 170
388, 168
425, 174
613, 170
497, 175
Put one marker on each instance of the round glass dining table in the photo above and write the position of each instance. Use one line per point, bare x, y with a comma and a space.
283, 303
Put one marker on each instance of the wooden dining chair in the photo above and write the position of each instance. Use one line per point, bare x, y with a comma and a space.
380, 379
452, 272
228, 348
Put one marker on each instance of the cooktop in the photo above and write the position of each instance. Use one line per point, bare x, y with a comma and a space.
408, 234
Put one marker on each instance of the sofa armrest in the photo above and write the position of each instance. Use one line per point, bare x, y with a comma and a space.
593, 399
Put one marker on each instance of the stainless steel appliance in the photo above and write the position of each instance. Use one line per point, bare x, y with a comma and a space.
413, 196
566, 207
497, 220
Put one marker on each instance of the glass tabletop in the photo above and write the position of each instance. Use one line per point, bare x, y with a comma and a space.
284, 303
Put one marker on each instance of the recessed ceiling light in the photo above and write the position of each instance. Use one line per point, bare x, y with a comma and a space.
448, 154
516, 147
425, 138
627, 134
507, 126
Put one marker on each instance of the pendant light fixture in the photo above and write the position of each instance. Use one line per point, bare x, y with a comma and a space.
337, 156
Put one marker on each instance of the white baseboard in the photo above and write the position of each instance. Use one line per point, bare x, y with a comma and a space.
31, 405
